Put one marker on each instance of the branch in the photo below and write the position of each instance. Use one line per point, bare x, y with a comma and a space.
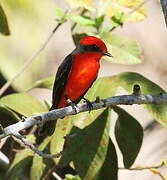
164, 8
30, 59
33, 148
57, 176
40, 119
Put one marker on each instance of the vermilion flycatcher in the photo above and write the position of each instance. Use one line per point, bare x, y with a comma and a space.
76, 75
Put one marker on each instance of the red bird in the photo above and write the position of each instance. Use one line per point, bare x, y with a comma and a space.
76, 75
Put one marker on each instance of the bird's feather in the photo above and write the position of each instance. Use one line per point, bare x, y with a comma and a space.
60, 80
59, 84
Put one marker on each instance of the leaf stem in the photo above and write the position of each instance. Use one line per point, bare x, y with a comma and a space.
143, 167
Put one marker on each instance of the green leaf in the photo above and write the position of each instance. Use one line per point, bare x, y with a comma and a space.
102, 7
98, 21
82, 20
88, 159
129, 136
23, 103
4, 28
129, 8
139, 13
109, 169
4, 163
127, 81
44, 83
117, 21
7, 116
59, 12
80, 29
116, 12
71, 177
63, 127
123, 49
20, 164
38, 165
31, 138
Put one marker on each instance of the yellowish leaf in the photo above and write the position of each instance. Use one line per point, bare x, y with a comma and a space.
134, 10
88, 4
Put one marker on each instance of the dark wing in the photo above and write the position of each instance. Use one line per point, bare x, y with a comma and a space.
58, 87
60, 80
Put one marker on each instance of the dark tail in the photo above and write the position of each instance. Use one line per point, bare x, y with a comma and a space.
49, 127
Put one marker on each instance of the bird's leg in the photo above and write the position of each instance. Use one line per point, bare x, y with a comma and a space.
72, 104
89, 104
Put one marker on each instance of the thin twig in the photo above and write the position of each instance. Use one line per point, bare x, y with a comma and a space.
30, 59
57, 176
154, 171
49, 172
40, 153
143, 168
33, 148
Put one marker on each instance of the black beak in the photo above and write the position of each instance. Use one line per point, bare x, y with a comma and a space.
107, 54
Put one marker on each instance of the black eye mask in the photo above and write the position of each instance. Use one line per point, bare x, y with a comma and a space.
88, 48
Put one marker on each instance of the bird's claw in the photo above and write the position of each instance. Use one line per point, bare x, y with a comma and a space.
89, 104
40, 125
73, 105
40, 129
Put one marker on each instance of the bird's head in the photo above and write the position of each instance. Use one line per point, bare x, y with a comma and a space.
93, 44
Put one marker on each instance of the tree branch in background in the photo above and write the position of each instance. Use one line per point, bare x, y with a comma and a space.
30, 59
164, 8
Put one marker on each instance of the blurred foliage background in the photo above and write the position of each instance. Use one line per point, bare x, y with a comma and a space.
29, 24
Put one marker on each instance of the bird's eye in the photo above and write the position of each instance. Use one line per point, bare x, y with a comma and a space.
91, 47
94, 46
